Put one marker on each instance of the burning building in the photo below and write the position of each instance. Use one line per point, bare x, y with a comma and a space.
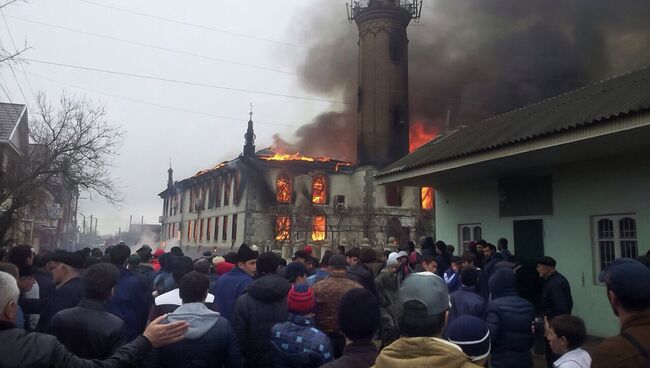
278, 199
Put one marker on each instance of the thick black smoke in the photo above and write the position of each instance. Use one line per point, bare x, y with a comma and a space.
475, 58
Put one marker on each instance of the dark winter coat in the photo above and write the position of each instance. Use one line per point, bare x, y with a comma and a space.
486, 273
228, 288
443, 261
209, 342
452, 279
356, 355
88, 331
45, 284
20, 349
466, 302
509, 318
556, 296
131, 303
255, 313
65, 296
363, 275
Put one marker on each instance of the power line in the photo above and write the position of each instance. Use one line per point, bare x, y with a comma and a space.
11, 37
199, 26
143, 44
173, 108
195, 84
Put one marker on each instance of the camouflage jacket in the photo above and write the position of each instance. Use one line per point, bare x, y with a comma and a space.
329, 293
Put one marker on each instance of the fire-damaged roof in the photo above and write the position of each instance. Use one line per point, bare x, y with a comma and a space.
9, 117
615, 97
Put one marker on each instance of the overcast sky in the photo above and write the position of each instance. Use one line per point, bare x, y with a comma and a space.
59, 31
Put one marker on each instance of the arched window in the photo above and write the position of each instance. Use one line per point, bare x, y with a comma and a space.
283, 189
318, 227
319, 189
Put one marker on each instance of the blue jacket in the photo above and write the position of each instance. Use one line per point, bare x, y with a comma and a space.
131, 302
319, 275
228, 288
209, 342
466, 302
452, 279
297, 343
509, 318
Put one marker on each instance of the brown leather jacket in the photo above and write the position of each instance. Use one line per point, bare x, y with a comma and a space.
329, 293
619, 352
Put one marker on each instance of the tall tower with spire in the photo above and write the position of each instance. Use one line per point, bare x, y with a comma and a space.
249, 146
383, 103
170, 176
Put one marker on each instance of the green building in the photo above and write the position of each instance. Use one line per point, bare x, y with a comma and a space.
567, 177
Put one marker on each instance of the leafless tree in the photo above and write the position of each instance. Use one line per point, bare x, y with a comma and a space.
70, 146
7, 56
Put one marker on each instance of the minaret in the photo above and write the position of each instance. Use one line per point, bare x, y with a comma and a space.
383, 103
249, 147
170, 176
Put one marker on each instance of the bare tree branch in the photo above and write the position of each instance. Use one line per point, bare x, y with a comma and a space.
9, 2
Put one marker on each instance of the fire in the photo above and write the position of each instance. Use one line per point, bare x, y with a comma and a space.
278, 156
318, 190
282, 228
283, 194
420, 134
427, 197
318, 228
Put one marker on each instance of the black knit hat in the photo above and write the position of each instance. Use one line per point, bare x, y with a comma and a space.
547, 261
359, 315
68, 258
181, 266
245, 253
267, 263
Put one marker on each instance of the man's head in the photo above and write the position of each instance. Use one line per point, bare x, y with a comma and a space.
456, 264
424, 304
441, 247
545, 266
300, 256
429, 263
340, 250
469, 276
392, 263
472, 335
99, 281
25, 277
9, 294
180, 267
338, 264
566, 333
402, 257
295, 272
64, 266
119, 254
352, 256
628, 286
247, 259
367, 256
20, 254
193, 287
359, 315
133, 261
145, 254
267, 264
489, 250
502, 244
325, 261
468, 258
177, 251
301, 299
202, 265
41, 259
480, 244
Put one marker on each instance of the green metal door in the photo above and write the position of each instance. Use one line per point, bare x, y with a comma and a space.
529, 245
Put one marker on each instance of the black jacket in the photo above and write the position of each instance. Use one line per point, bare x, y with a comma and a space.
88, 331
255, 313
509, 318
556, 296
45, 284
356, 355
65, 296
33, 350
364, 276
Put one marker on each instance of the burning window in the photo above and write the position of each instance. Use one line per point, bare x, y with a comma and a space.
318, 228
282, 228
283, 189
426, 195
319, 190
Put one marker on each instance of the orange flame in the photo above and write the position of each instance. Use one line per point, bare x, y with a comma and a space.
277, 156
282, 228
427, 198
420, 134
318, 226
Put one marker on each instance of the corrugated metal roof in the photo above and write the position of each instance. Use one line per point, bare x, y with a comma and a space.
9, 117
613, 97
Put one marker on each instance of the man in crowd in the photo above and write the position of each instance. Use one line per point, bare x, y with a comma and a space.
472, 335
360, 272
232, 285
296, 342
489, 252
359, 321
387, 284
424, 301
452, 274
263, 305
131, 300
466, 301
323, 271
556, 297
296, 273
628, 292
352, 256
329, 293
443, 258
20, 349
87, 330
210, 340
171, 300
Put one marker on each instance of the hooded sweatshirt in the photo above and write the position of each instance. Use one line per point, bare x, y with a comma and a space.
209, 341
255, 313
409, 352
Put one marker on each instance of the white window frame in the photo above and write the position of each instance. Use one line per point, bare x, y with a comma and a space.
462, 243
617, 239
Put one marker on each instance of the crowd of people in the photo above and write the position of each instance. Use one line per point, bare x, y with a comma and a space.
348, 308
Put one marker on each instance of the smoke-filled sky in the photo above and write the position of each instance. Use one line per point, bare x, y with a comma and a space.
296, 62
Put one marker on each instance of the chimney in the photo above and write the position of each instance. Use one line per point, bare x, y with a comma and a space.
249, 146
383, 101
